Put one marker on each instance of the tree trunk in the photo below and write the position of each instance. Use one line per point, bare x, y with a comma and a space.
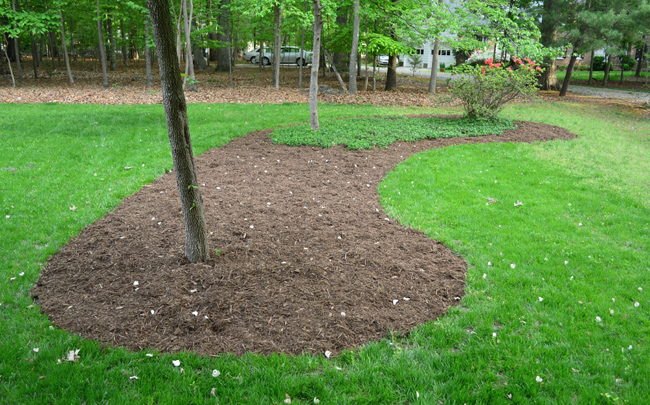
19, 68
277, 39
102, 49
189, 65
569, 72
223, 51
34, 57
607, 69
548, 78
13, 80
591, 68
65, 49
302, 51
434, 67
355, 49
125, 56
49, 37
313, 85
147, 54
391, 74
341, 21
196, 237
111, 39
336, 71
622, 69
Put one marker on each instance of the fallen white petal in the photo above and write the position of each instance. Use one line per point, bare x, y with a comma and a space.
512, 265
136, 283
176, 363
484, 276
395, 302
36, 349
636, 305
216, 373
328, 353
598, 319
316, 400
134, 377
195, 313
149, 355
540, 299
538, 379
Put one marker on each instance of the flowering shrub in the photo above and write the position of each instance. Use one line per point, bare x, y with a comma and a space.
485, 89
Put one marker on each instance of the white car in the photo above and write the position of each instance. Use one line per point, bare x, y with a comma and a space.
383, 60
288, 55
251, 54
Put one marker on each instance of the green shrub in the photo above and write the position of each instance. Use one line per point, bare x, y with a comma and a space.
599, 63
627, 62
485, 89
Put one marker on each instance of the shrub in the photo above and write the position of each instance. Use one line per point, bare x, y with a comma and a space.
627, 62
485, 89
599, 63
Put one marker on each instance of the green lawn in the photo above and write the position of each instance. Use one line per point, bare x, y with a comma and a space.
614, 76
580, 242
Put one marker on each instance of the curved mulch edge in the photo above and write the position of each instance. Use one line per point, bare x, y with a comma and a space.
308, 263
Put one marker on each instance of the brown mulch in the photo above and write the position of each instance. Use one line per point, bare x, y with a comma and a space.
249, 85
308, 263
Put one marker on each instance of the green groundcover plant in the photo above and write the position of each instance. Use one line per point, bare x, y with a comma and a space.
484, 89
368, 132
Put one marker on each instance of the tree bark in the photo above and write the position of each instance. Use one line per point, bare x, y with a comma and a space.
391, 74
569, 72
102, 49
189, 64
607, 69
147, 54
49, 37
113, 48
591, 67
277, 43
196, 238
125, 56
355, 49
34, 57
19, 68
336, 71
433, 81
302, 51
548, 79
313, 85
223, 51
65, 49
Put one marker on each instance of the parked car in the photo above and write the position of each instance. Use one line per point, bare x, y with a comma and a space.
383, 60
251, 54
288, 55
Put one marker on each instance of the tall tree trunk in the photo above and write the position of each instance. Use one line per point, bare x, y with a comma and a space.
102, 49
189, 64
113, 48
341, 21
336, 71
13, 80
19, 68
391, 74
620, 60
277, 43
569, 72
591, 67
548, 78
313, 85
34, 57
49, 37
302, 51
65, 49
355, 49
607, 69
196, 236
433, 81
125, 55
223, 51
147, 54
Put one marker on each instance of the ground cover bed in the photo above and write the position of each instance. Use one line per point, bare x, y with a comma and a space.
308, 261
553, 237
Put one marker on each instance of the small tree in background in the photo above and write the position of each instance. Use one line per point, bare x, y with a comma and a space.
416, 62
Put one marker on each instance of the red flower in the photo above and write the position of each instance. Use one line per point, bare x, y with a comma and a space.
539, 69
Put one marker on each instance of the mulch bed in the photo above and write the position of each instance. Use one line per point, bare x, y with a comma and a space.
308, 263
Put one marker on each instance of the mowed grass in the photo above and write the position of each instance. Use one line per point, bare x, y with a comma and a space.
614, 76
602, 235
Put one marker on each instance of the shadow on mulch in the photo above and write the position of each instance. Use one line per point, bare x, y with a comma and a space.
308, 263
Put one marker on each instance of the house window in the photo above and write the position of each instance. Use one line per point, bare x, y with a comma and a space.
419, 51
480, 38
443, 52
